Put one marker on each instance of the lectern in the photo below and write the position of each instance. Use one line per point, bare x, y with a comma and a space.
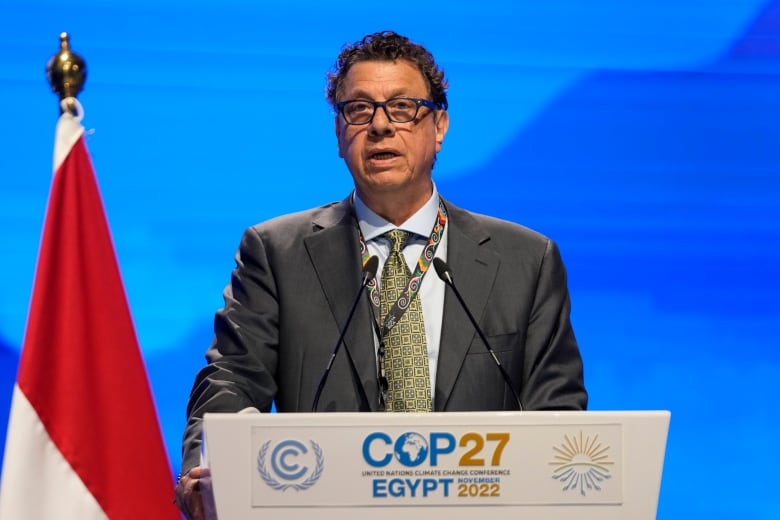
497, 465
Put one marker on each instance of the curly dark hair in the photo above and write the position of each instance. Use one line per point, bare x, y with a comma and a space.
387, 46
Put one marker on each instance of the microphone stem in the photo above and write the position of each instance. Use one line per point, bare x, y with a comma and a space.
343, 331
481, 334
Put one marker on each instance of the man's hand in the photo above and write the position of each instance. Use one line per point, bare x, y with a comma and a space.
194, 495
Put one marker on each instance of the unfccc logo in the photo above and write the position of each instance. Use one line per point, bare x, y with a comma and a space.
290, 465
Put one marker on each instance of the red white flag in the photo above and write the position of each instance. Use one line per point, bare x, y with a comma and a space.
83, 439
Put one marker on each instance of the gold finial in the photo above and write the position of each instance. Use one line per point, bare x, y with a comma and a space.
66, 71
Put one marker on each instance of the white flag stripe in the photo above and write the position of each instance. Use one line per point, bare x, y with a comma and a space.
69, 129
33, 465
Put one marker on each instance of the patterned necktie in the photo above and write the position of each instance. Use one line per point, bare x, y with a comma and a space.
406, 356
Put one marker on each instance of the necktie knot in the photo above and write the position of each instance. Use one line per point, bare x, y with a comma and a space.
398, 239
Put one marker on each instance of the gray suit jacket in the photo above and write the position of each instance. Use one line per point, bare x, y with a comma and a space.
293, 285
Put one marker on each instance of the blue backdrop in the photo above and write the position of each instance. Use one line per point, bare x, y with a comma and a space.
642, 136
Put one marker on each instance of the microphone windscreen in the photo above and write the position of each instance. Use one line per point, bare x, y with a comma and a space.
369, 270
442, 269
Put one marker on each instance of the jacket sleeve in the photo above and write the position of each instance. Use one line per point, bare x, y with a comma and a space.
552, 365
243, 356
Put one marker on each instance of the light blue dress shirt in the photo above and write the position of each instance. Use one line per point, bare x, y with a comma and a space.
432, 289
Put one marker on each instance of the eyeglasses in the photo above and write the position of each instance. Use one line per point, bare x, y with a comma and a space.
397, 110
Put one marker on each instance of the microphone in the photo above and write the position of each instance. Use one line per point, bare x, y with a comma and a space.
444, 272
369, 272
381, 378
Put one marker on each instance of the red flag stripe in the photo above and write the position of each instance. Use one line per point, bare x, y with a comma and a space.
81, 367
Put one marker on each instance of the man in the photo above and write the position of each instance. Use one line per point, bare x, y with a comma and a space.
296, 276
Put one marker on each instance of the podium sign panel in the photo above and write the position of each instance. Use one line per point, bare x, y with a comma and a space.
600, 465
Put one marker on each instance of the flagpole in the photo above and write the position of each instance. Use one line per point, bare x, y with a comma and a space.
83, 437
67, 73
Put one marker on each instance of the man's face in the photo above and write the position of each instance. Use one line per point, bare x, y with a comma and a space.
386, 157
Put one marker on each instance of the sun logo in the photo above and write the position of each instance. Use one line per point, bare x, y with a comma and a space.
581, 463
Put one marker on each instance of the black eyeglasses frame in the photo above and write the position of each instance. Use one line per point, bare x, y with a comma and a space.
418, 102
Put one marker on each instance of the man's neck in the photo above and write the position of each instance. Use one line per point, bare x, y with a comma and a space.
396, 208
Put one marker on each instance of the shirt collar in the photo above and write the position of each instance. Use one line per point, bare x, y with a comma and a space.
421, 223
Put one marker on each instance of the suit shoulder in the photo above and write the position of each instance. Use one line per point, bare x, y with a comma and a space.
520, 248
503, 232
296, 219
287, 232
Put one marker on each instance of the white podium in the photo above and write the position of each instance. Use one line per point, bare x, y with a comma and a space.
539, 465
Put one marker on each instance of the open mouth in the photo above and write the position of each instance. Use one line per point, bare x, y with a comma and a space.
383, 155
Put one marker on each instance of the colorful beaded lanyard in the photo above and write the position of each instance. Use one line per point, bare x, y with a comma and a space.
423, 263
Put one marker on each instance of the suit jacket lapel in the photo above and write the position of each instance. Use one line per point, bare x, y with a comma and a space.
335, 254
474, 265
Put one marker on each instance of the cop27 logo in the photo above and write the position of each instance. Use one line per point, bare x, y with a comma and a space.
452, 465
411, 449
289, 465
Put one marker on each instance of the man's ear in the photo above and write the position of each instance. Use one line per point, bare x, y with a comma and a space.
442, 123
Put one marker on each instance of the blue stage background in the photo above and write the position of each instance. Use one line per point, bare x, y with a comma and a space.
643, 136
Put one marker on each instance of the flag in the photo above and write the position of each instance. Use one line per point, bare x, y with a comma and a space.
83, 439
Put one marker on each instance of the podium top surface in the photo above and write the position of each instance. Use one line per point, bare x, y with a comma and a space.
445, 418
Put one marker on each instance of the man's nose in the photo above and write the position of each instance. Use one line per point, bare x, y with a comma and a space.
380, 123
